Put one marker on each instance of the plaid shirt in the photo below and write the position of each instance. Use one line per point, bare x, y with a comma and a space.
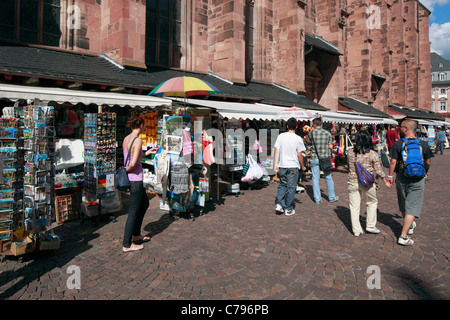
322, 139
370, 161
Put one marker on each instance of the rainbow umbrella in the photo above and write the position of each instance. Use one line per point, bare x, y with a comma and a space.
184, 87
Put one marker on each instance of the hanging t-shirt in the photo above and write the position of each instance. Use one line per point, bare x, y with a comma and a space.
179, 178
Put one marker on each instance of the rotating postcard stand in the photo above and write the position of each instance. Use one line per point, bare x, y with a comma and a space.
99, 163
27, 155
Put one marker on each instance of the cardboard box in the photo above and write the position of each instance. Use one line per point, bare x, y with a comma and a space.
90, 211
20, 248
49, 245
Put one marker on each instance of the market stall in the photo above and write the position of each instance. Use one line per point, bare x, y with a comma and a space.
44, 170
181, 185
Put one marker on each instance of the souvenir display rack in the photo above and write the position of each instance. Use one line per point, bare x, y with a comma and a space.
11, 181
39, 156
27, 152
99, 156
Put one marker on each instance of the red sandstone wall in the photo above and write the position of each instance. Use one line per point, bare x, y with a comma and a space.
424, 60
213, 40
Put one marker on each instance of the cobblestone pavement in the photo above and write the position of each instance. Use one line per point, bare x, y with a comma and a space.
240, 249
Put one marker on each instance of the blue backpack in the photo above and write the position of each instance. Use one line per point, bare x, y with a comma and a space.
413, 163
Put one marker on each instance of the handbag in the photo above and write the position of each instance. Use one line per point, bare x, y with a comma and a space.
324, 163
365, 177
385, 162
122, 181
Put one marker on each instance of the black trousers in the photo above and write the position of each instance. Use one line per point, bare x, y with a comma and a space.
138, 206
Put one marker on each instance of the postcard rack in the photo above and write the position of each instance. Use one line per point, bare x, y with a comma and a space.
27, 157
39, 157
11, 183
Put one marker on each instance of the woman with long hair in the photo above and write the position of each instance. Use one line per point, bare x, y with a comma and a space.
363, 153
138, 197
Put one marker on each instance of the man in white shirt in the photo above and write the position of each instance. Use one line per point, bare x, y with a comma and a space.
288, 160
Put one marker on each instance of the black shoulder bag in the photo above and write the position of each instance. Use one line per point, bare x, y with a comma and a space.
122, 181
324, 163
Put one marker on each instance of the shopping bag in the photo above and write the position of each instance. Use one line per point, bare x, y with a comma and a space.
257, 173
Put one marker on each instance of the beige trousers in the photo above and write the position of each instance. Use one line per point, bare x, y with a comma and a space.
355, 192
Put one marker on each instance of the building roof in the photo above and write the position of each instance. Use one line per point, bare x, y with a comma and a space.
416, 113
321, 44
361, 107
66, 66
101, 70
436, 61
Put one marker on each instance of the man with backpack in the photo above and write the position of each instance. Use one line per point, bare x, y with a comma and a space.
411, 160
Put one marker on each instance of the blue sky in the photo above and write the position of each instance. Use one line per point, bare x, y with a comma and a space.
439, 26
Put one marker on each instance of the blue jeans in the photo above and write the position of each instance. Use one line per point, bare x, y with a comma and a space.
315, 182
439, 145
287, 187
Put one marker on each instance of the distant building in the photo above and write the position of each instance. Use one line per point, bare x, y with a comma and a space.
440, 84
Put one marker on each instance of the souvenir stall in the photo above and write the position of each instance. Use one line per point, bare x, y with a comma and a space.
181, 183
344, 127
243, 167
27, 157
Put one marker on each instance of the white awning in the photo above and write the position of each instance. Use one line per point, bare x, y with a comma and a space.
59, 95
236, 110
432, 122
426, 122
328, 116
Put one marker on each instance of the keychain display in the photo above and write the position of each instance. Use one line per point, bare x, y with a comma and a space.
99, 154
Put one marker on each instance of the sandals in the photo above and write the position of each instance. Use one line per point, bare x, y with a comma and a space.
133, 247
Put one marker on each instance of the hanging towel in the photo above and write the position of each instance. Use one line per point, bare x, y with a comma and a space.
208, 156
187, 143
162, 172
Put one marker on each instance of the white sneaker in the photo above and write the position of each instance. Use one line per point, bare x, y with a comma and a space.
289, 212
279, 209
411, 230
357, 234
300, 189
405, 241
373, 230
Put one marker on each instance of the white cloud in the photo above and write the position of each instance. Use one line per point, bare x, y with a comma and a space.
439, 35
431, 3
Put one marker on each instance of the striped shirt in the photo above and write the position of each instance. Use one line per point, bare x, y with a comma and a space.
322, 139
370, 161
